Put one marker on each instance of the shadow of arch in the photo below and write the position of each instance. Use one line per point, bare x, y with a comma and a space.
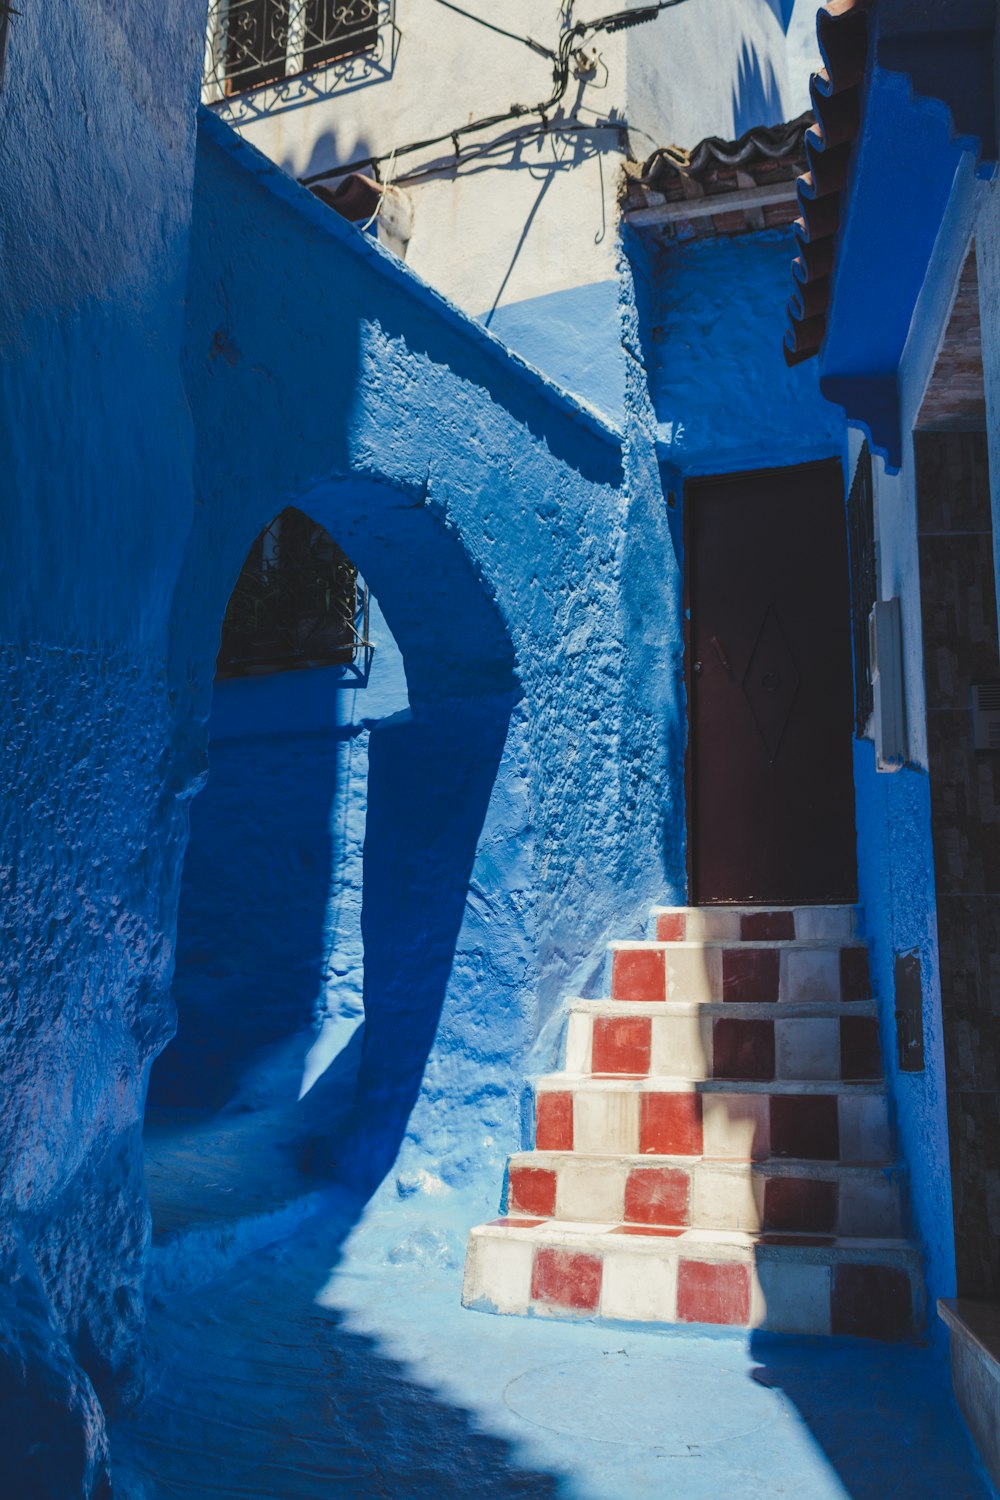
432, 771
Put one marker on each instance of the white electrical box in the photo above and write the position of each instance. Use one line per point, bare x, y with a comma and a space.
986, 716
885, 635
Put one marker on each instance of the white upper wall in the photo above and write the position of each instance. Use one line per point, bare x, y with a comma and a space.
531, 217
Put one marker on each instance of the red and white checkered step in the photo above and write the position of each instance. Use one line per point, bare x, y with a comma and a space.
800, 1197
744, 1121
754, 924
730, 972
810, 1284
815, 1040
717, 1147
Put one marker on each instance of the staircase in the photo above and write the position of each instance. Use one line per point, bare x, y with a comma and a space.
717, 1148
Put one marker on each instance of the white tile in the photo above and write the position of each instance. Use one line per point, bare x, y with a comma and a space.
836, 922
864, 1128
590, 1190
869, 1207
806, 1049
681, 1046
694, 974
639, 1287
790, 1297
579, 1033
606, 1122
498, 1271
713, 923
737, 1126
810, 974
725, 1200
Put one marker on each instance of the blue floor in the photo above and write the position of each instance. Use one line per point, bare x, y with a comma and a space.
318, 1368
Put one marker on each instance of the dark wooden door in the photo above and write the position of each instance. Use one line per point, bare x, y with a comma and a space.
771, 816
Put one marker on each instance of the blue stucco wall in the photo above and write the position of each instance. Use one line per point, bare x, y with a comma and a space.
269, 942
896, 890
573, 337
722, 395
529, 802
95, 451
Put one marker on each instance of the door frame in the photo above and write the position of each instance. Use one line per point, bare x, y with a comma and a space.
691, 484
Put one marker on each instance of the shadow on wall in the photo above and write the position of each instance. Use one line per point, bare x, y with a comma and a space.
251, 921
255, 925
757, 94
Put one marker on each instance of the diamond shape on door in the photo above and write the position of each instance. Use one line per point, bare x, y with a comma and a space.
771, 682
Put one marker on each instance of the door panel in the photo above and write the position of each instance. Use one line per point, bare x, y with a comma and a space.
771, 777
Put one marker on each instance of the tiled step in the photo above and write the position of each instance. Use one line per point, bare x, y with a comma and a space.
780, 1196
735, 1121
817, 1040
674, 924
764, 973
806, 1284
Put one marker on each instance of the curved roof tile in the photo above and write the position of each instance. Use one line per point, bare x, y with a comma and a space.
842, 33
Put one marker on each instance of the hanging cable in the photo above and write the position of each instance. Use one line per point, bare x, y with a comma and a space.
569, 42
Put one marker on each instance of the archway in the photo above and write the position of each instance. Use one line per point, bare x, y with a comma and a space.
329, 859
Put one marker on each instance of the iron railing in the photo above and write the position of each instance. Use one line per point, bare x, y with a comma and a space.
254, 43
298, 602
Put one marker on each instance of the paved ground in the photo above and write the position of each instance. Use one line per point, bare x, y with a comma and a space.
317, 1369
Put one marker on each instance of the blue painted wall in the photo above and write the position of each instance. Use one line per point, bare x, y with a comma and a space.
529, 801
722, 396
896, 889
574, 337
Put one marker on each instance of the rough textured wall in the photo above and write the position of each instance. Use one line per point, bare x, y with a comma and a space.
518, 811
723, 396
96, 145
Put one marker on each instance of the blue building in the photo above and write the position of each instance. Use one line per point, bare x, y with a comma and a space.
581, 632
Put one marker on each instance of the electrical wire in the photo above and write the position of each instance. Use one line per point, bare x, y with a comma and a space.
569, 42
525, 41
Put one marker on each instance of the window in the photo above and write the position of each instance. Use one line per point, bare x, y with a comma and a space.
864, 585
298, 602
256, 42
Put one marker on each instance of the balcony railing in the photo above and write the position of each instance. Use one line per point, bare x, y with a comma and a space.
252, 44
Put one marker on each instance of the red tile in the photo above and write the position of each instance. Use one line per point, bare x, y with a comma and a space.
855, 980
621, 1044
805, 1125
800, 1203
860, 1052
638, 974
750, 974
671, 927
871, 1302
767, 926
670, 1125
657, 1195
553, 1122
514, 1223
668, 1232
532, 1191
743, 1049
708, 1293
565, 1278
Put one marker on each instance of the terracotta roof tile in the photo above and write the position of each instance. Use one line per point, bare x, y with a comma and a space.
842, 33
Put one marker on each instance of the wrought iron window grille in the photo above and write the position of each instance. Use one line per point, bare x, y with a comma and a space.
298, 602
864, 586
6, 11
274, 45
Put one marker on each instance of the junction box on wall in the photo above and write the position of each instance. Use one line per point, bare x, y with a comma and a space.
885, 634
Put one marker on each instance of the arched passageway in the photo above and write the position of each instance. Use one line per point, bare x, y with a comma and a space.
330, 856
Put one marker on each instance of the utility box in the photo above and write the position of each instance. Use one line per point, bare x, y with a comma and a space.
885, 636
986, 716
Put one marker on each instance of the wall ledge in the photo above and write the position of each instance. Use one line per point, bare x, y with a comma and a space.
975, 1371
